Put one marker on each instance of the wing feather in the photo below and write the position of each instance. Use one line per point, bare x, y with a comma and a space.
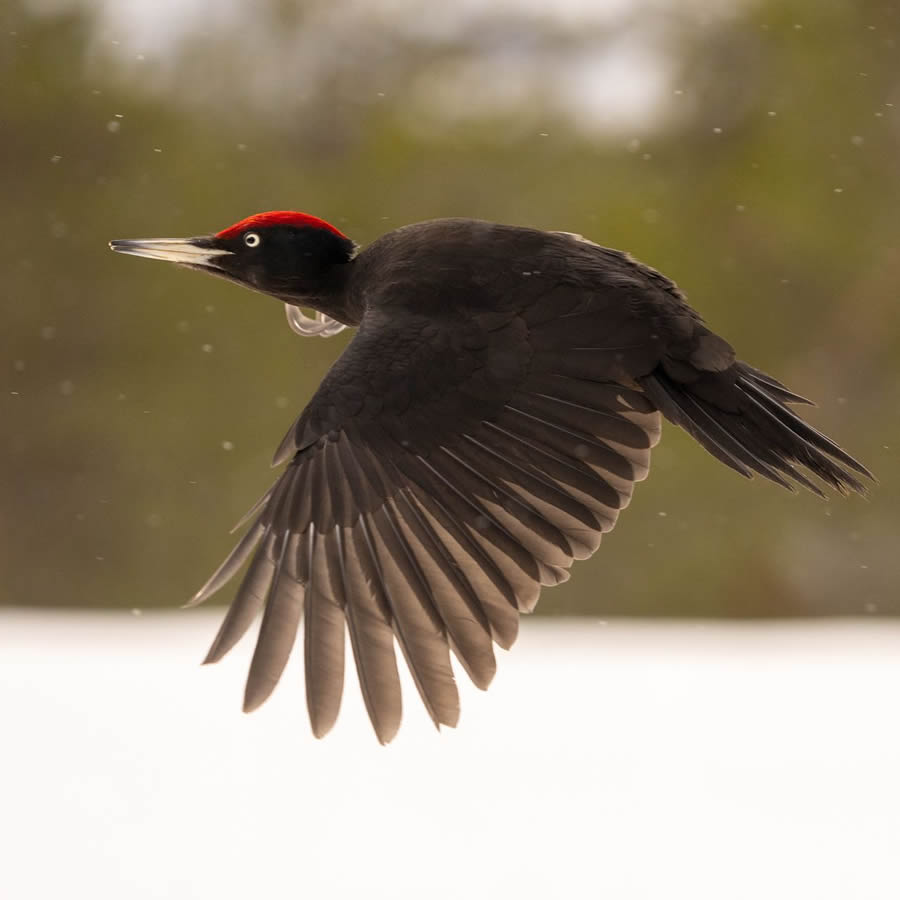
323, 646
277, 633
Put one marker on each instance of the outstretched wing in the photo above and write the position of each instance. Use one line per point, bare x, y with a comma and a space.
443, 472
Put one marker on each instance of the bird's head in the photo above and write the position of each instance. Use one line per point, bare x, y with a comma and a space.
298, 258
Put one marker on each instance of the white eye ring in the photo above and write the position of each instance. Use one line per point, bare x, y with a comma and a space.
251, 239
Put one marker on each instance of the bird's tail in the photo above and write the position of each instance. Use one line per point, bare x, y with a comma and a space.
742, 417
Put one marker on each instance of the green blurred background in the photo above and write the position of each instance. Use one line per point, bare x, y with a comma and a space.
750, 150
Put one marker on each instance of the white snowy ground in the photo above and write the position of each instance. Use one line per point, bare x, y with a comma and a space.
619, 761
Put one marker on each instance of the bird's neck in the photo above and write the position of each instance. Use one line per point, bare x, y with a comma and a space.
330, 294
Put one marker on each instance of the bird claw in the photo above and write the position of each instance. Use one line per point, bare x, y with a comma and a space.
321, 325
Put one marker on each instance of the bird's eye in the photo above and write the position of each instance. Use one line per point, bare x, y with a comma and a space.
251, 239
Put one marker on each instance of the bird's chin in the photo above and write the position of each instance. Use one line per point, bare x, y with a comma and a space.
210, 268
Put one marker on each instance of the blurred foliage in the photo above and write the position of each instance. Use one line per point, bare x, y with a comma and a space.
140, 404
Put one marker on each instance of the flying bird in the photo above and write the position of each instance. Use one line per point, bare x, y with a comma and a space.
482, 430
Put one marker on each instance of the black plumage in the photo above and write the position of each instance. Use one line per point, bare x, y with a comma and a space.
483, 429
